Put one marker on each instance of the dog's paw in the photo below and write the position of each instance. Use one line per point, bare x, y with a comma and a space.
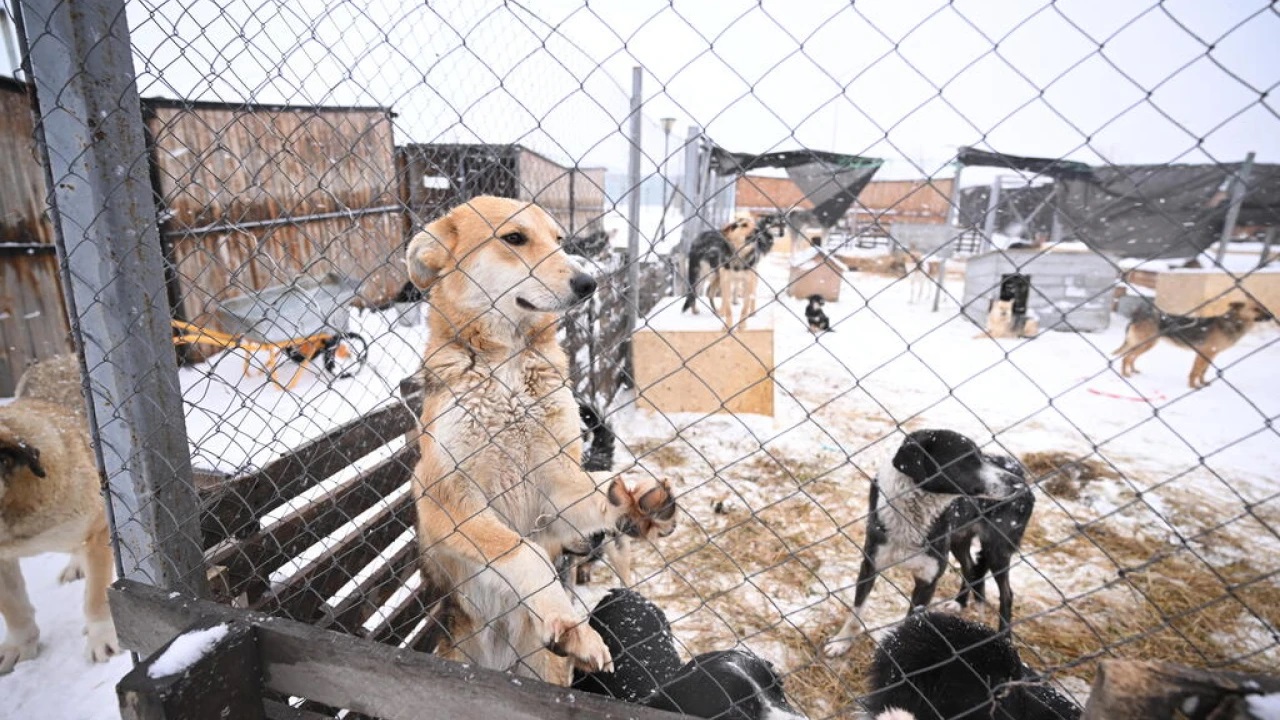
950, 607
648, 508
837, 645
72, 572
101, 641
574, 638
14, 651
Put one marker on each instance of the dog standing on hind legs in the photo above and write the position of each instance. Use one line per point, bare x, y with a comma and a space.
50, 502
499, 489
1206, 337
940, 493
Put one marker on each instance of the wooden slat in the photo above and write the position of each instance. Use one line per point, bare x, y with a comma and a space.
249, 562
233, 509
350, 614
367, 677
303, 595
400, 622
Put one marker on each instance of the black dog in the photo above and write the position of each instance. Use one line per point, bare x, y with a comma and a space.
639, 639
938, 667
725, 684
941, 492
818, 321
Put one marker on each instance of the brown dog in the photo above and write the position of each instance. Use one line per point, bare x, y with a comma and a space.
500, 490
1207, 337
50, 502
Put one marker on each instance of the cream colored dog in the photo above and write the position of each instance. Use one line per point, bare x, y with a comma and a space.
499, 487
50, 502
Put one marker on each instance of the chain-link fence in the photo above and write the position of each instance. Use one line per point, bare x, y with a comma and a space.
973, 217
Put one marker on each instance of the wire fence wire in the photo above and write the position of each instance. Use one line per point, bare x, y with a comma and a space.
277, 160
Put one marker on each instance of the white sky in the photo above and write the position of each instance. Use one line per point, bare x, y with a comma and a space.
1125, 81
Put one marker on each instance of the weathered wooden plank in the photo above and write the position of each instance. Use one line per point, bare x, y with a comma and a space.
302, 596
225, 682
400, 621
367, 677
248, 562
233, 509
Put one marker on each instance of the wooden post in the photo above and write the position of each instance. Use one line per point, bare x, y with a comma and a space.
224, 682
114, 282
1153, 691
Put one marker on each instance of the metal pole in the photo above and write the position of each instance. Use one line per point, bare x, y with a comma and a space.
692, 189
667, 124
993, 209
1267, 241
942, 261
7, 37
633, 211
1239, 188
113, 283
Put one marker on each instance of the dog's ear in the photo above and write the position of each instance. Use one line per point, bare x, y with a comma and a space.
15, 453
430, 251
913, 461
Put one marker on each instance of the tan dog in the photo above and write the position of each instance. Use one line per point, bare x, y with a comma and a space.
1206, 337
50, 502
737, 278
500, 489
925, 274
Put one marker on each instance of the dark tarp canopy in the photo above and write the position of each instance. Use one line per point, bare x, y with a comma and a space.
1141, 211
1025, 211
830, 180
1056, 168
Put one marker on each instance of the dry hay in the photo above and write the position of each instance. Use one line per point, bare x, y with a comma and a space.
1062, 474
761, 572
1162, 603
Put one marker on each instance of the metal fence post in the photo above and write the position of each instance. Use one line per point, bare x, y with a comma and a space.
113, 280
633, 216
1238, 189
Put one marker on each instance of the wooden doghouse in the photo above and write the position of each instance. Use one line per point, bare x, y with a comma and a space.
690, 363
815, 273
1209, 292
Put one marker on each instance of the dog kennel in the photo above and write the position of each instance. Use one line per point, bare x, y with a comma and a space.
1067, 287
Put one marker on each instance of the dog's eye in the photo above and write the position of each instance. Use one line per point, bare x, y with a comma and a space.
515, 238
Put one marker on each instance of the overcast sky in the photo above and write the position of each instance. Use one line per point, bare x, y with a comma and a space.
1124, 81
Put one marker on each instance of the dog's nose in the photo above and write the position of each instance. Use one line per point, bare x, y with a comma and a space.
582, 285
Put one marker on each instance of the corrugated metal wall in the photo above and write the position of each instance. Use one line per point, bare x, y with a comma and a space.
254, 196
33, 322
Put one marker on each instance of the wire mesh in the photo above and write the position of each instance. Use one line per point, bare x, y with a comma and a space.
299, 151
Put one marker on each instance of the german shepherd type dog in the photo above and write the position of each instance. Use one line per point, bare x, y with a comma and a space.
500, 490
50, 502
1207, 337
728, 260
939, 494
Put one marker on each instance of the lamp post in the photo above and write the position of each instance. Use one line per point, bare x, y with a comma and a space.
667, 124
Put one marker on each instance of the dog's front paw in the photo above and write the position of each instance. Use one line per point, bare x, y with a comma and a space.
950, 607
648, 509
575, 639
101, 642
837, 645
72, 572
15, 650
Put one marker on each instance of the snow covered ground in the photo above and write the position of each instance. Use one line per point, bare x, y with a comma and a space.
772, 507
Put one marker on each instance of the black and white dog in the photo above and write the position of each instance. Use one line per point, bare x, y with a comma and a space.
936, 666
941, 492
727, 260
725, 684
818, 321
